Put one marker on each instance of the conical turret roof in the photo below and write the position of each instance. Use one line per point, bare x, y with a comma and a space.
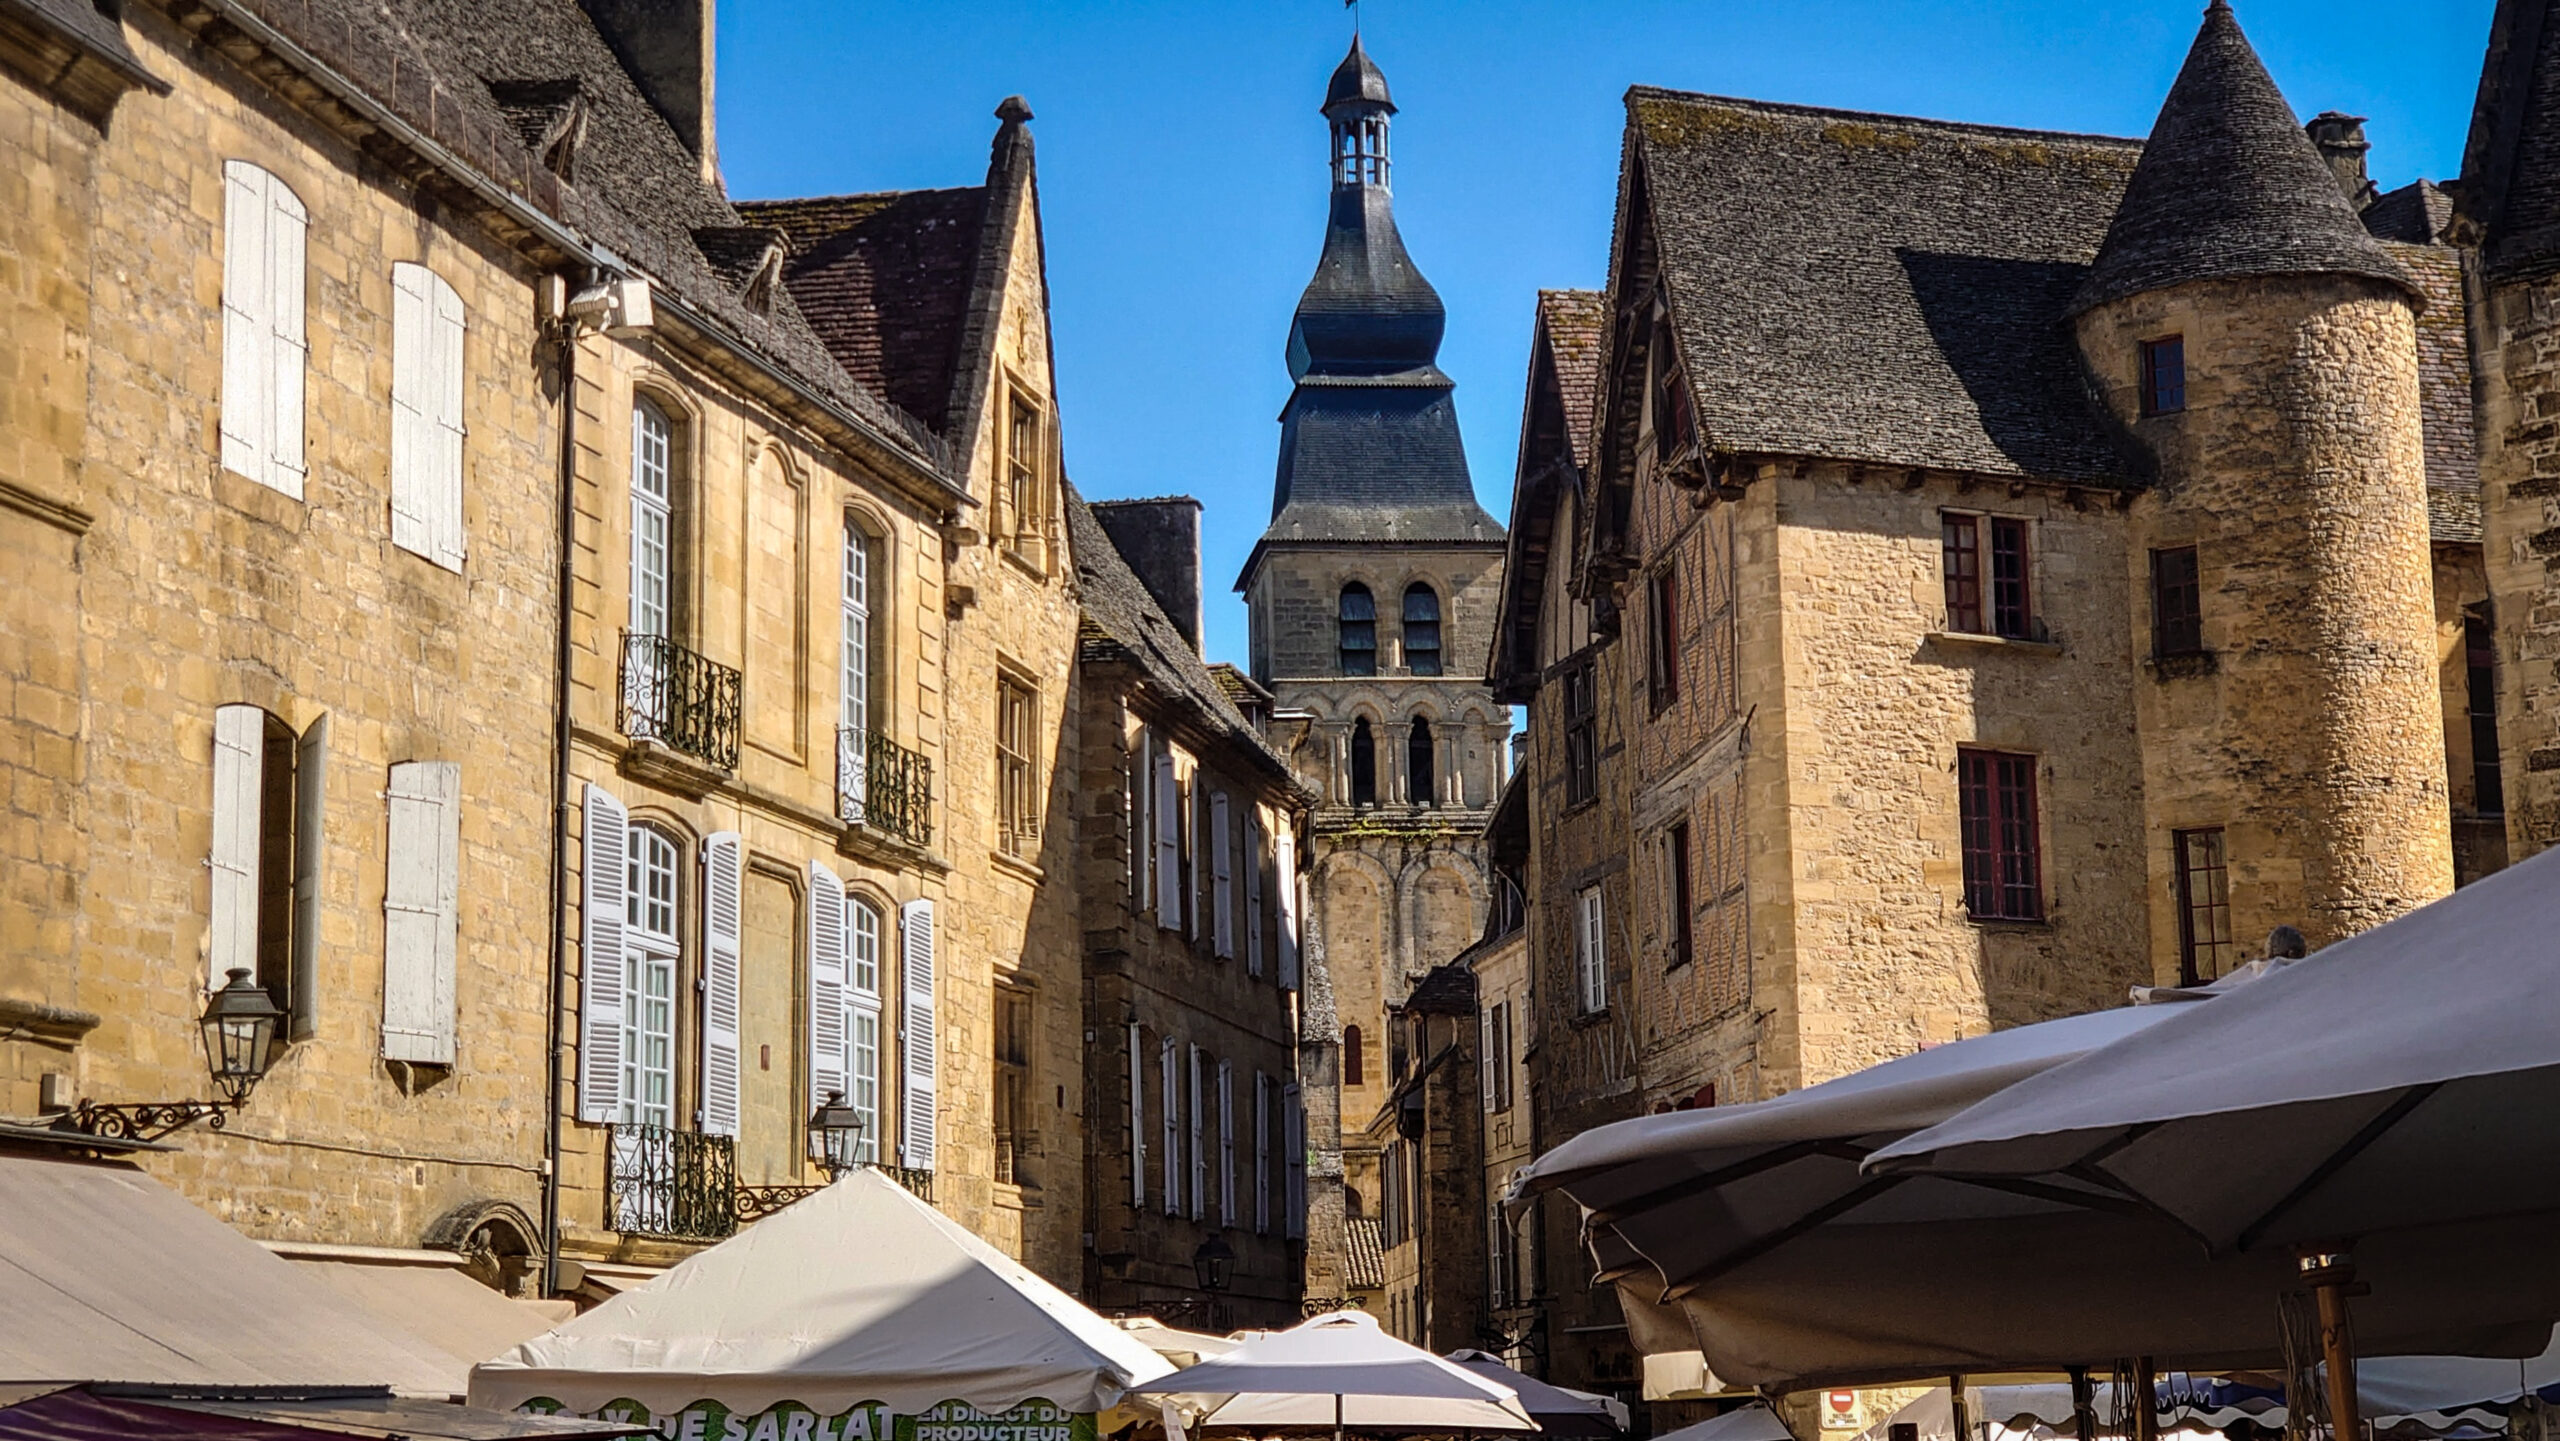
2229, 185
1357, 79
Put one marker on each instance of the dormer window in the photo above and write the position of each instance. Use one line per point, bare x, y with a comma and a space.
2164, 375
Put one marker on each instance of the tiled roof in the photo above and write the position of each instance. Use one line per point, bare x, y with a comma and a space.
1878, 288
2229, 185
1577, 324
1375, 463
1364, 1255
2511, 163
885, 279
2444, 393
2417, 213
1122, 622
1239, 687
88, 24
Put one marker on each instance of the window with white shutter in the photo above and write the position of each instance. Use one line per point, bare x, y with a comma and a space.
426, 415
239, 787
1166, 1063
917, 1128
1199, 1154
724, 879
1134, 803
1226, 1145
1484, 1056
1284, 875
1293, 1159
421, 904
604, 856
862, 1034
1137, 1118
265, 859
264, 349
310, 855
1192, 872
1222, 861
1261, 1153
828, 1043
1253, 892
1591, 952
1168, 821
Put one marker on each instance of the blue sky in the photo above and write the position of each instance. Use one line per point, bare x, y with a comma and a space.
1182, 160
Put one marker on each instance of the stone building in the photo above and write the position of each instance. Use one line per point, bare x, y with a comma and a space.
1370, 598
1993, 568
1186, 828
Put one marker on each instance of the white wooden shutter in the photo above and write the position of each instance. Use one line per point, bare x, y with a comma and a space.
1226, 1145
1484, 1052
724, 879
426, 415
916, 1131
605, 859
826, 984
310, 853
239, 788
1222, 848
287, 350
1168, 888
421, 898
1293, 1159
1199, 1156
1253, 892
447, 532
1495, 1293
248, 375
1137, 1120
1189, 843
1171, 1122
1284, 867
1141, 767
1261, 1153
1593, 953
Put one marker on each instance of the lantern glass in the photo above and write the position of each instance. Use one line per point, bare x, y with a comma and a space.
1212, 1263
835, 1134
239, 1035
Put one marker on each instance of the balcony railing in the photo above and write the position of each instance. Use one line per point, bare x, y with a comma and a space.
674, 696
660, 1181
883, 785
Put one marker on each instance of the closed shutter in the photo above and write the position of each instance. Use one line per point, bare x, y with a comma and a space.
239, 786
247, 376
1222, 849
1168, 819
1293, 1160
1284, 874
1226, 1145
1134, 804
448, 532
604, 861
1484, 1055
1496, 1294
1171, 1123
1595, 955
421, 898
1253, 892
310, 853
1199, 1156
1193, 871
1261, 1154
1137, 1119
916, 1131
426, 415
287, 351
724, 879
826, 985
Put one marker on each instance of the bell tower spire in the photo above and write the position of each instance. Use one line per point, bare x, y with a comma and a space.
1356, 105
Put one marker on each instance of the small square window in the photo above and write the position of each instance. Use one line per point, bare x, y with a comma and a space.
2164, 375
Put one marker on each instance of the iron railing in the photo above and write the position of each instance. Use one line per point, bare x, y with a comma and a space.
883, 785
754, 1203
678, 697
660, 1181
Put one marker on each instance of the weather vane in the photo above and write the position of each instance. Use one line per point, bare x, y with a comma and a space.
1354, 7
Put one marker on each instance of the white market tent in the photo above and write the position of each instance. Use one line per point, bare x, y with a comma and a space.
1336, 1371
861, 1293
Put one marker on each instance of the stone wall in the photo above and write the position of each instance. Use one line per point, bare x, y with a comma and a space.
2518, 364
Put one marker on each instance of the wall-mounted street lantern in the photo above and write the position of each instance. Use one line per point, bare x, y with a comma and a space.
239, 1025
835, 1135
1213, 1263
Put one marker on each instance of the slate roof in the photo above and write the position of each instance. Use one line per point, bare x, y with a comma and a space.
1122, 622
2444, 394
94, 28
2511, 162
885, 278
2229, 185
1367, 311
1357, 79
1577, 325
1879, 288
2417, 213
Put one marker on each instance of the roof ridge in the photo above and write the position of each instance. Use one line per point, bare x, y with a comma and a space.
1974, 127
783, 200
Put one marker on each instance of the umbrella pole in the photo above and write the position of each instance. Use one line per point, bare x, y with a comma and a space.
1956, 1409
2333, 1280
2084, 1406
1337, 1416
2144, 1403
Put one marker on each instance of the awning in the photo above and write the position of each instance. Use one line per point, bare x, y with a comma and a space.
75, 1414
108, 1276
465, 1322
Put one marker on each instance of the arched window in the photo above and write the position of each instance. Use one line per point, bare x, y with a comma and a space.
1421, 629
652, 519
1364, 764
860, 659
862, 1021
1352, 1065
1419, 755
651, 950
1359, 622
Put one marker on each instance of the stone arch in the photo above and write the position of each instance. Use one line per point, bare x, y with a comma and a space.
496, 1241
1440, 897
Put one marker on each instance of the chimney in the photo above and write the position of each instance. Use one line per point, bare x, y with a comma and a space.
666, 47
1160, 539
2339, 137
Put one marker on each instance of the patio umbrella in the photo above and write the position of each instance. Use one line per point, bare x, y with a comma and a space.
1341, 1370
1558, 1410
2397, 1088
1755, 1422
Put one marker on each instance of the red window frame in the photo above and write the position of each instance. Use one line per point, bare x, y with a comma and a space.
2003, 870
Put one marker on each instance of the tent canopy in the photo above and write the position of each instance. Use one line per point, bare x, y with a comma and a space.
1558, 1410
1755, 1422
861, 1293
1342, 1368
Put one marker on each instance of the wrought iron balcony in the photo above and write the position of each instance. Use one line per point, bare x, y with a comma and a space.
883, 785
659, 1181
754, 1203
679, 698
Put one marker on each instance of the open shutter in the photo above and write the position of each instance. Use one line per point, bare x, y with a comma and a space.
447, 533
1137, 1120
605, 859
310, 848
412, 311
421, 897
1261, 1153
826, 984
1253, 892
916, 1130
239, 788
1284, 874
1485, 1054
1199, 1157
287, 351
1172, 1125
1293, 1159
724, 879
247, 375
1226, 1145
1141, 767
1222, 850
1188, 845
1168, 819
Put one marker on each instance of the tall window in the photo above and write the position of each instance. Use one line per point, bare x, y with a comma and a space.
1496, 1040
1026, 497
1017, 772
862, 1021
269, 789
1662, 626
1364, 764
2002, 878
2164, 375
1358, 621
1013, 1082
1421, 629
264, 348
2480, 658
2204, 906
1354, 1062
2177, 603
426, 415
1590, 952
1581, 736
651, 949
652, 519
855, 607
2001, 608
1675, 860
1674, 422
1420, 751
